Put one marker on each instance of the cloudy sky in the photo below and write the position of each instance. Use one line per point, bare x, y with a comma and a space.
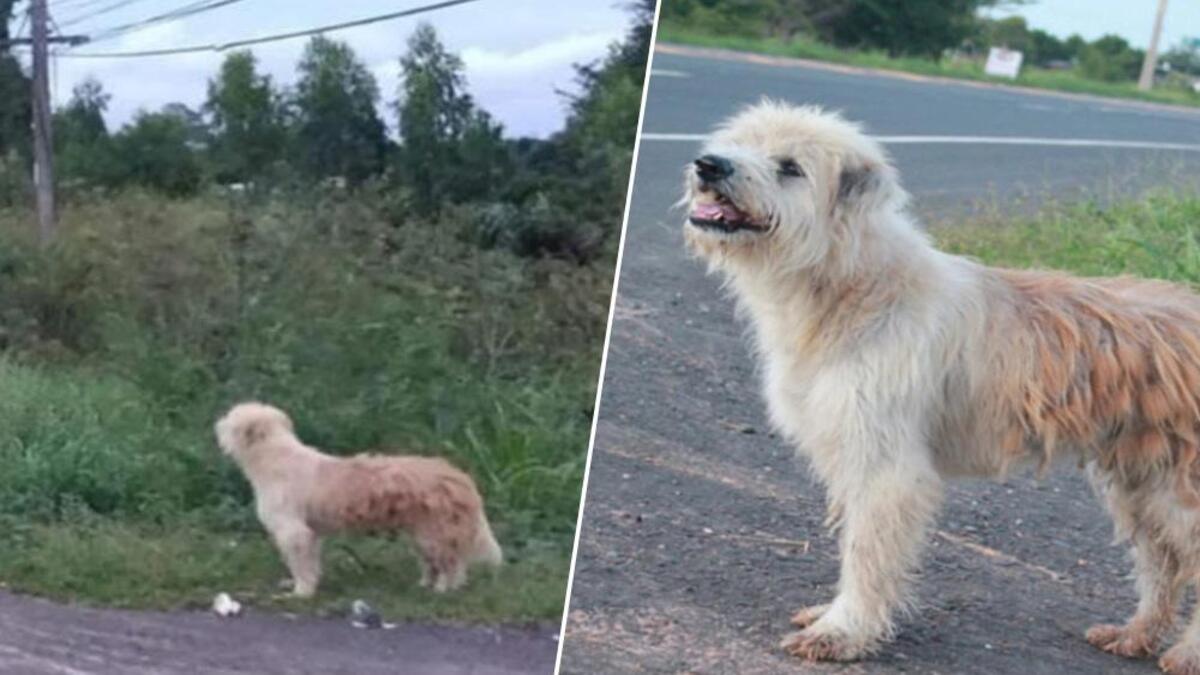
517, 52
1131, 19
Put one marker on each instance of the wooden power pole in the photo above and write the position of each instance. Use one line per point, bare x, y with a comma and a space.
43, 138
1146, 81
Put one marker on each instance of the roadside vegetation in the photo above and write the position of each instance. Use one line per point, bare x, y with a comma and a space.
1155, 236
441, 290
943, 39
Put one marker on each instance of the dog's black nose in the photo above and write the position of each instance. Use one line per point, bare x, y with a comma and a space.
712, 167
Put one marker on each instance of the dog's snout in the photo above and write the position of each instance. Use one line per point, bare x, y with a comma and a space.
713, 167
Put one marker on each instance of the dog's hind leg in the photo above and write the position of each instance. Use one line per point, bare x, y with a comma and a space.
452, 576
1159, 582
437, 561
1184, 657
426, 572
301, 550
886, 521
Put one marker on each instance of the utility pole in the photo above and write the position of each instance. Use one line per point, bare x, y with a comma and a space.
43, 141
1146, 81
43, 137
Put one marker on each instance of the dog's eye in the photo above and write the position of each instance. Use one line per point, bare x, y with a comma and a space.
789, 167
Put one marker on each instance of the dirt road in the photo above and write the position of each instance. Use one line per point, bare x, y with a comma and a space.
43, 638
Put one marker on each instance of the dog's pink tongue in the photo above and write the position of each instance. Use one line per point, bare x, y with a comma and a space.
714, 211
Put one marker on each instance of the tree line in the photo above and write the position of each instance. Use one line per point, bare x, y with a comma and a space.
923, 28
331, 128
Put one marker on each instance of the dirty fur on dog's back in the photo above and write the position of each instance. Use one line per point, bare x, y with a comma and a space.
1107, 367
402, 493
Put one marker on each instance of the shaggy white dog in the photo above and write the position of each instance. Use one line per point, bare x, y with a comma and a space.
893, 366
301, 494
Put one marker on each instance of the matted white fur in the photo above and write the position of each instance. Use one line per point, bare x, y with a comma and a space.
893, 366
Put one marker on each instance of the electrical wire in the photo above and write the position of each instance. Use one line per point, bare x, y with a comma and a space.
21, 26
71, 5
99, 12
220, 47
179, 13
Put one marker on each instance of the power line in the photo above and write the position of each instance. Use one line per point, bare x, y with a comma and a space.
179, 13
21, 27
220, 47
99, 12
73, 4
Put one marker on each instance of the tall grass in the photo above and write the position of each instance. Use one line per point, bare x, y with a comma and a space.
1156, 236
121, 344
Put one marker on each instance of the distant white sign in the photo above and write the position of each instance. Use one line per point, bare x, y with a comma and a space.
1003, 62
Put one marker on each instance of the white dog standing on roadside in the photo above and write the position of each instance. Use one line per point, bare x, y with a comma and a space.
893, 366
301, 494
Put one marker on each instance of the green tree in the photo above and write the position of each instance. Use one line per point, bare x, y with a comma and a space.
1184, 58
574, 207
903, 27
603, 119
81, 142
450, 150
14, 93
485, 162
247, 129
1011, 32
1075, 45
338, 132
157, 151
1110, 59
1046, 48
751, 18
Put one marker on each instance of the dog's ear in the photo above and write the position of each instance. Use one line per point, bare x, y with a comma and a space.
863, 187
856, 182
254, 432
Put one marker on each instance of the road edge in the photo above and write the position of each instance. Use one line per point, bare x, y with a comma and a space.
796, 62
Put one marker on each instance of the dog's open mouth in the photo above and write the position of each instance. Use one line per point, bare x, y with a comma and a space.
723, 215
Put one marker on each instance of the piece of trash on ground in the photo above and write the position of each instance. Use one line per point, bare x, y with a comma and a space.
224, 605
363, 615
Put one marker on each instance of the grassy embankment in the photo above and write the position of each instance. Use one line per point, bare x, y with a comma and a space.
120, 345
1039, 78
1157, 236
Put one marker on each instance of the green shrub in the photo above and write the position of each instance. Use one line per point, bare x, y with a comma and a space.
150, 316
1110, 59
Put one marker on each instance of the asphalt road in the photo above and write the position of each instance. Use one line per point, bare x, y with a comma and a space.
702, 533
43, 638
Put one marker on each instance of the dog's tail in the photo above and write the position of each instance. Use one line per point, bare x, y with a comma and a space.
487, 550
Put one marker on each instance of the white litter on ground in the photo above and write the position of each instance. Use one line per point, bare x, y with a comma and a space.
363, 615
223, 605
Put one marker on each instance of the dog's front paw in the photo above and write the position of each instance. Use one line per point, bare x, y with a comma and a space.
807, 616
1122, 640
1182, 659
814, 644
